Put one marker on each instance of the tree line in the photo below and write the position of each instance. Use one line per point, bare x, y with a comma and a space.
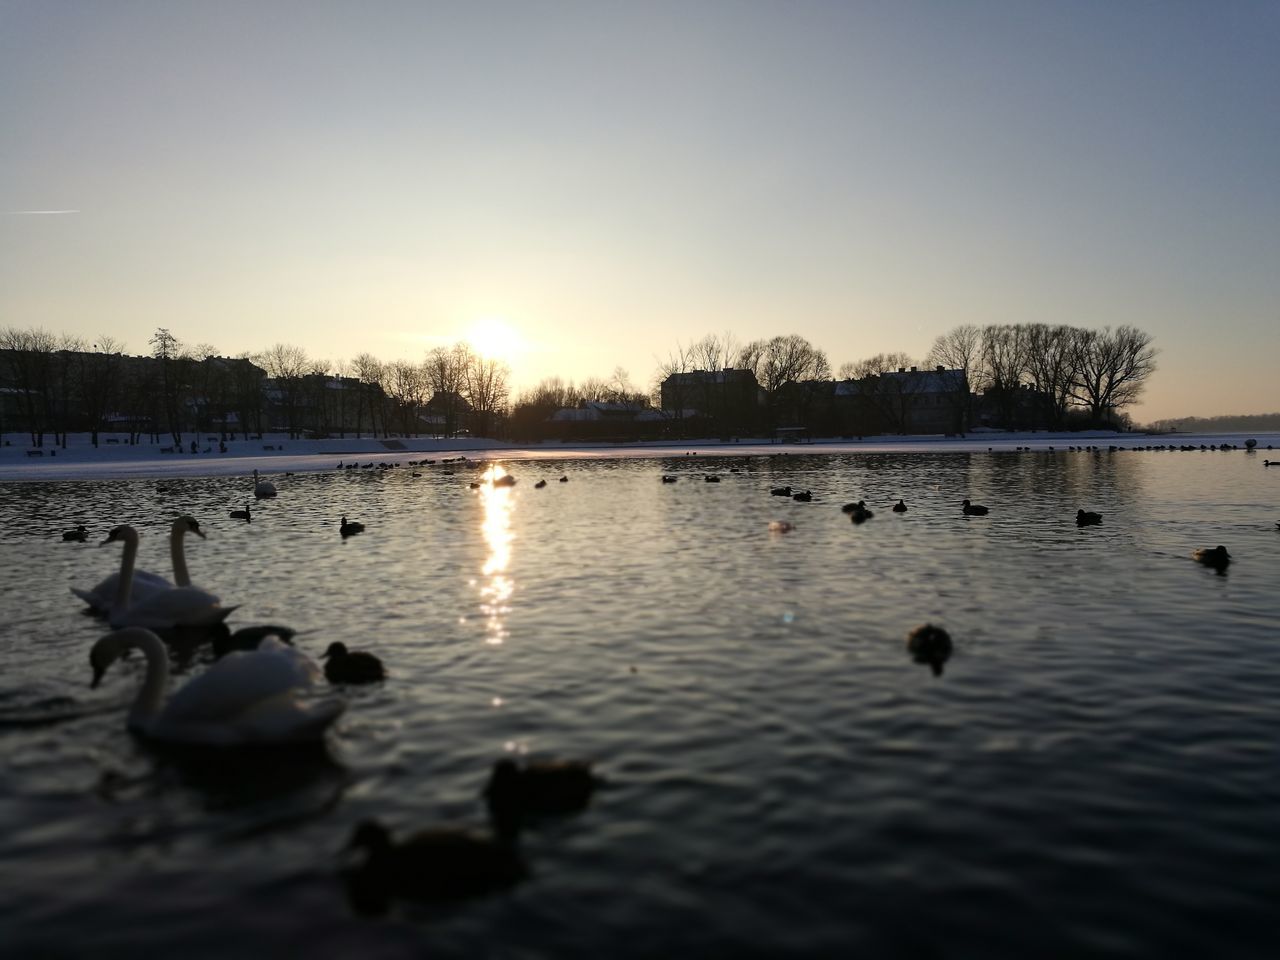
52, 384
57, 383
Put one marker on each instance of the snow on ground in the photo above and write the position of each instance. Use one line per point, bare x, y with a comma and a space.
277, 453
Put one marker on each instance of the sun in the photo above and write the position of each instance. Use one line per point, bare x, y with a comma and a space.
495, 339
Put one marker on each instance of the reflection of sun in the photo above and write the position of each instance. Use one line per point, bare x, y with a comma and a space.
495, 339
496, 592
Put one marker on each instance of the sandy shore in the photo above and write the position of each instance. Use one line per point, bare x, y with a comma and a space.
277, 453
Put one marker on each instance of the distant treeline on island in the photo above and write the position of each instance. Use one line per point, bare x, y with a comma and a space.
1241, 423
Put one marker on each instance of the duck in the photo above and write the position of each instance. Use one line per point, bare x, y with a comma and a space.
351, 666
540, 484
244, 698
973, 509
668, 479
711, 478
79, 535
899, 507
780, 492
858, 512
349, 528
804, 496
440, 863
250, 638
1216, 557
930, 645
242, 514
538, 788
506, 480
564, 479
1086, 519
102, 595
179, 606
263, 489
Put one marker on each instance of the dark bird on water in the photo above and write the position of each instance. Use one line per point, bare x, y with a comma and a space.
539, 788
929, 645
1216, 557
248, 638
804, 496
668, 479
506, 480
349, 528
564, 479
540, 484
351, 666
780, 492
858, 512
1086, 519
899, 507
79, 534
442, 863
242, 514
711, 478
973, 509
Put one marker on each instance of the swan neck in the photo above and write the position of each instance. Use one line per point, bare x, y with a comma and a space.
180, 576
150, 698
125, 584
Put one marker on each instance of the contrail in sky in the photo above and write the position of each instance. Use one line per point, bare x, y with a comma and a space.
36, 213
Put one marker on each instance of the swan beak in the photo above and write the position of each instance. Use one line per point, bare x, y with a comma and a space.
199, 533
97, 677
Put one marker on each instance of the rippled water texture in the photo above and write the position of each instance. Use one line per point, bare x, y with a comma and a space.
1096, 771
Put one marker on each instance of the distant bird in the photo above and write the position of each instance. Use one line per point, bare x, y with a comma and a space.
263, 489
711, 478
804, 496
564, 479
973, 509
1216, 557
1271, 463
899, 507
242, 514
668, 479
780, 526
349, 528
538, 788
442, 863
79, 534
780, 492
930, 645
506, 480
351, 666
540, 484
1086, 519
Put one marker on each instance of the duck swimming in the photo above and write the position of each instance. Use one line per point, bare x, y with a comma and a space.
973, 509
539, 787
1216, 557
79, 534
1086, 519
899, 507
351, 666
349, 528
929, 645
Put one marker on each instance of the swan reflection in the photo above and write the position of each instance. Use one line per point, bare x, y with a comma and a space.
497, 498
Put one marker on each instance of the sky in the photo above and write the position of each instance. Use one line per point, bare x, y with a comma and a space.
576, 187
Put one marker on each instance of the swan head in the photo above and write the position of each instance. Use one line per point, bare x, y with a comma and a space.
188, 524
124, 533
110, 648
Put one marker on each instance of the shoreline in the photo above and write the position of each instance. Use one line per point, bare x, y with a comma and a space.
277, 453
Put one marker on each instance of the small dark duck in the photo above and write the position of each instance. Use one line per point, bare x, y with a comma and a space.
780, 492
929, 645
1086, 519
804, 496
540, 484
351, 666
973, 509
242, 514
899, 507
349, 528
539, 788
78, 535
1216, 557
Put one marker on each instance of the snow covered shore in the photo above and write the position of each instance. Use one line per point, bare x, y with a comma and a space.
276, 453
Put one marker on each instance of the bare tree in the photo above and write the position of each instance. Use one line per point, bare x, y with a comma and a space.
960, 349
287, 365
788, 359
486, 390
1051, 363
368, 371
98, 374
1112, 368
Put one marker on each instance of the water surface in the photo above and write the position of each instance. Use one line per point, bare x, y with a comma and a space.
1095, 770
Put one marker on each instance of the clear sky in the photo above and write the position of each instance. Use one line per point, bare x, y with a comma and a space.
608, 179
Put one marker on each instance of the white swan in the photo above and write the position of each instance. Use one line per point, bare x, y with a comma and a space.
184, 606
244, 698
263, 489
102, 595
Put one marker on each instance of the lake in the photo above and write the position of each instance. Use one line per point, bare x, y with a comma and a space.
1096, 770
